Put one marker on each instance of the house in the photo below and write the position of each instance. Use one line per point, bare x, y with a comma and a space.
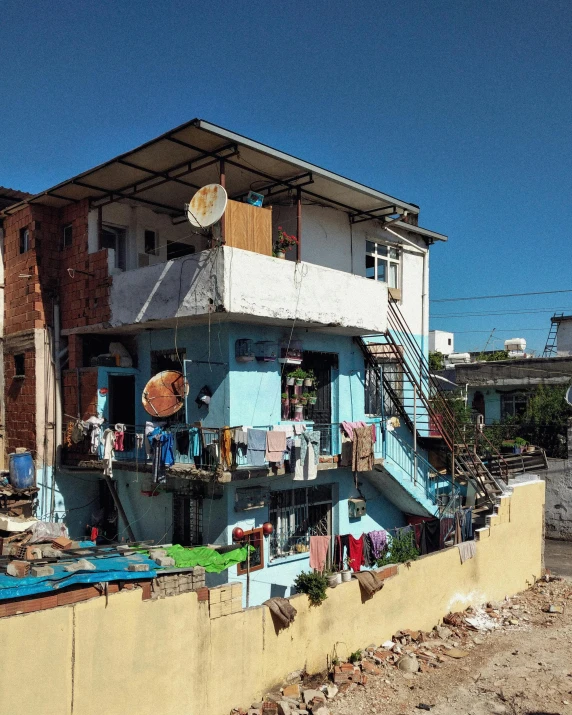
108, 284
441, 341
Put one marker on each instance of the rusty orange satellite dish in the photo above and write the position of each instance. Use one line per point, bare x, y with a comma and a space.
165, 393
207, 205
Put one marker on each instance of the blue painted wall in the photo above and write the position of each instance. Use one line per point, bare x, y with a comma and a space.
277, 577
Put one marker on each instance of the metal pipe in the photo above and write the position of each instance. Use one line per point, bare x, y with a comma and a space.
223, 217
299, 223
57, 404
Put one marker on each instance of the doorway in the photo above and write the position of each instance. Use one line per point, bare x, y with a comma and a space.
322, 365
121, 399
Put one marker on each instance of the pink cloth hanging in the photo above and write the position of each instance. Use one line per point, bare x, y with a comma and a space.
319, 546
118, 442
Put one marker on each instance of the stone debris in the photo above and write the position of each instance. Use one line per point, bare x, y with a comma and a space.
406, 657
82, 565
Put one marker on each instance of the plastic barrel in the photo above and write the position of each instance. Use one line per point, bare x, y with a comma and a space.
22, 473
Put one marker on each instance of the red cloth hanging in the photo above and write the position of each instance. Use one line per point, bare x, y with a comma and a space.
356, 553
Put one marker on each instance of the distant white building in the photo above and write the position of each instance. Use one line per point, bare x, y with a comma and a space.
563, 336
440, 341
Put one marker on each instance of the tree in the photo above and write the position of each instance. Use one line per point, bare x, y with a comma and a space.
436, 361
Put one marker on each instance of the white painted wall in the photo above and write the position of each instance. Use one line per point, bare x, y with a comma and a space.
442, 342
249, 286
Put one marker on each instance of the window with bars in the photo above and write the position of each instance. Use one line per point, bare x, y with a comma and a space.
512, 404
382, 263
378, 401
187, 520
297, 514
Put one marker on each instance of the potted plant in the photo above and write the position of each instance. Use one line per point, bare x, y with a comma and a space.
304, 398
294, 400
285, 406
283, 243
314, 585
290, 380
309, 379
334, 579
347, 574
519, 445
298, 374
312, 398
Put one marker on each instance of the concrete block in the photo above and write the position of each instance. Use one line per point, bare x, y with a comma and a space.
138, 567
225, 593
48, 552
18, 569
199, 571
214, 595
80, 565
164, 561
215, 610
483, 533
40, 571
236, 590
156, 553
226, 608
236, 605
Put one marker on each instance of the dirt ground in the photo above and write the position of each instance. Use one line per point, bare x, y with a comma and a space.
521, 667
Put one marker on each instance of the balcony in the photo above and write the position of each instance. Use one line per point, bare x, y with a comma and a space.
241, 281
207, 461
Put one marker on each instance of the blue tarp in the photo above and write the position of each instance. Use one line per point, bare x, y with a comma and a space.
108, 568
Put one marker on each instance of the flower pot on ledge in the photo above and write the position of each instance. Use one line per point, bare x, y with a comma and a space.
280, 254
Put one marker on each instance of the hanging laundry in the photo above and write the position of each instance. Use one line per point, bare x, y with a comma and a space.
139, 441
95, 433
467, 550
299, 428
226, 448
119, 437
467, 524
275, 445
310, 454
108, 453
349, 427
346, 451
429, 536
378, 540
362, 453
296, 465
341, 551
356, 553
149, 427
79, 431
195, 444
319, 547
256, 447
69, 433
368, 552
183, 442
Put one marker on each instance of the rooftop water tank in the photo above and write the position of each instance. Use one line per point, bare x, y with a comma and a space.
458, 358
515, 345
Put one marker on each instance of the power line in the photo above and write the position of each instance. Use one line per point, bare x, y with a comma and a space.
506, 330
498, 312
505, 295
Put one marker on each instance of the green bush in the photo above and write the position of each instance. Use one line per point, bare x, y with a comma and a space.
401, 549
312, 584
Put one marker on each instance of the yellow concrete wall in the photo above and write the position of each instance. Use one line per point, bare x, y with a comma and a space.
169, 657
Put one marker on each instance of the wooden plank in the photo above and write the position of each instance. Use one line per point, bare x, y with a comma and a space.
248, 227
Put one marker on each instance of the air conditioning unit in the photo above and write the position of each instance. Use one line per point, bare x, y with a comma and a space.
356, 508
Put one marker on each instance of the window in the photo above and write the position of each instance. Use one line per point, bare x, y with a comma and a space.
24, 240
297, 514
187, 520
392, 372
254, 538
176, 249
513, 403
448, 341
114, 237
67, 235
19, 365
162, 360
382, 263
151, 242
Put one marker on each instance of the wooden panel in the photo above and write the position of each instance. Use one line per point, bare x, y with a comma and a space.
248, 227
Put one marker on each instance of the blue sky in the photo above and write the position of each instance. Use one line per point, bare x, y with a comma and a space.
464, 108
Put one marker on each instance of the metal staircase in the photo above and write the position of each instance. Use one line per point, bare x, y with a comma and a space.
425, 409
550, 347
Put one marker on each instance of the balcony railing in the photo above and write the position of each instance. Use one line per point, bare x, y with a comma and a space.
199, 447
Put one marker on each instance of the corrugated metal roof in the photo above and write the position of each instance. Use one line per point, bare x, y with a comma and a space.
165, 172
9, 197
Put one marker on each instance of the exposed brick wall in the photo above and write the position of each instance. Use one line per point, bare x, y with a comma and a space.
86, 296
88, 392
20, 403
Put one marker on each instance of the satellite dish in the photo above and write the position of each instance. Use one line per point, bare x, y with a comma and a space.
165, 393
568, 395
207, 206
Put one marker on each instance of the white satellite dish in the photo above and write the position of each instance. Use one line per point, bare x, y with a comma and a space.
568, 396
207, 206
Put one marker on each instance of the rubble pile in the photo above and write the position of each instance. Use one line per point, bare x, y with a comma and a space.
408, 654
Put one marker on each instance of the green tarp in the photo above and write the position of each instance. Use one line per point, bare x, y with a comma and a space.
211, 560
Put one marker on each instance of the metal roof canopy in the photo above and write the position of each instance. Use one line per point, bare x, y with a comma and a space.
165, 172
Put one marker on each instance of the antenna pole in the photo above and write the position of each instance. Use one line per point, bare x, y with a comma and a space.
223, 184
299, 223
